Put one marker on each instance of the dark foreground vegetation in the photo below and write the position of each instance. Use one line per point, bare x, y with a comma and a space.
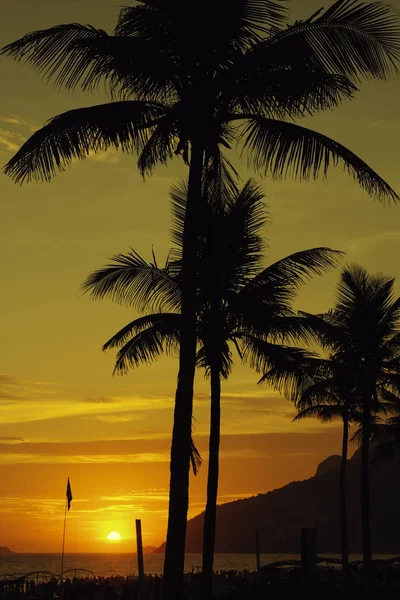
272, 582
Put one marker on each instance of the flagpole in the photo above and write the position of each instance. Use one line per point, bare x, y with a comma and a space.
63, 544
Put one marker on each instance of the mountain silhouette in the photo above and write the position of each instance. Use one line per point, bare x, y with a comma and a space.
280, 514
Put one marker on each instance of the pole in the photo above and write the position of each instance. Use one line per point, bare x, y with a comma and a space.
258, 551
309, 552
63, 544
139, 551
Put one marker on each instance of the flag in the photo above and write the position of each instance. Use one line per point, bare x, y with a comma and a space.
69, 494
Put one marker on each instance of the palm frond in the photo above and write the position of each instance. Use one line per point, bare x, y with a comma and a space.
195, 457
53, 52
285, 149
291, 272
322, 389
178, 194
77, 133
280, 90
324, 412
160, 337
232, 24
132, 281
265, 300
220, 179
350, 38
239, 237
206, 355
296, 380
265, 357
166, 322
131, 67
160, 147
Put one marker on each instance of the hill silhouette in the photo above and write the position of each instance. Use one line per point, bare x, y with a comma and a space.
280, 514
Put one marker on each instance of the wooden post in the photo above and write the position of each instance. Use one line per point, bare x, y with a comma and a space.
139, 545
157, 587
309, 552
258, 551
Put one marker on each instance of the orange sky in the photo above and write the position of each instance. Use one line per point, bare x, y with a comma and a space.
61, 411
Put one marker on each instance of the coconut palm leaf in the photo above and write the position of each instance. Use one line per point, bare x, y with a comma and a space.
77, 133
280, 91
75, 54
51, 52
283, 149
160, 146
195, 457
264, 356
168, 323
206, 354
324, 412
130, 66
323, 388
277, 285
295, 379
294, 270
161, 336
242, 22
364, 40
131, 280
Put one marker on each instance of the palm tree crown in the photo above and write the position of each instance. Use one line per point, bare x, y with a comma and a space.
210, 74
254, 302
360, 379
239, 304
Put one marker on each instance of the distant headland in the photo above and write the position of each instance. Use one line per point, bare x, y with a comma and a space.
5, 550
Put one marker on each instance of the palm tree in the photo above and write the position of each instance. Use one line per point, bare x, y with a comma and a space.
386, 434
175, 90
362, 334
328, 396
368, 315
238, 303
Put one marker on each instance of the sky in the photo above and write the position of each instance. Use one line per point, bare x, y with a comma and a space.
62, 413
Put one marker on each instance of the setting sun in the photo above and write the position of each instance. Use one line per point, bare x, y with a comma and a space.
114, 536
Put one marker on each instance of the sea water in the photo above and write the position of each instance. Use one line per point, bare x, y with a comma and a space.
106, 565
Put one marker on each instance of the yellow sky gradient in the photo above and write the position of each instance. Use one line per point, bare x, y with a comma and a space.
61, 411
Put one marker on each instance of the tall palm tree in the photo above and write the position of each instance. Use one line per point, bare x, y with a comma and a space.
368, 315
362, 334
238, 303
328, 396
177, 90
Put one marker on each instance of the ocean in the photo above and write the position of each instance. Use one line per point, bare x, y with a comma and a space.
106, 565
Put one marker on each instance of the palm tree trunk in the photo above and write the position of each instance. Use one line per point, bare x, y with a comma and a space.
210, 515
365, 492
343, 505
172, 587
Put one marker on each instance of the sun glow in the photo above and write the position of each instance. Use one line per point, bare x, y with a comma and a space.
114, 536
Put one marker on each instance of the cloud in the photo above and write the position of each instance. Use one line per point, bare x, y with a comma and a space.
110, 157
152, 457
10, 120
19, 122
48, 400
118, 418
7, 141
15, 132
11, 440
101, 400
376, 239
